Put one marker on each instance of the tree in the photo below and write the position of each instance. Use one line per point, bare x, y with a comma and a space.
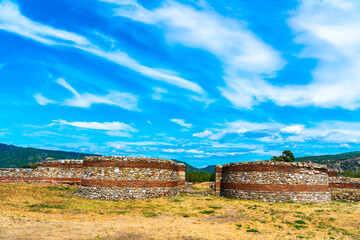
286, 156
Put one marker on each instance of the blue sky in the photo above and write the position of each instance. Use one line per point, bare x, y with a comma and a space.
206, 82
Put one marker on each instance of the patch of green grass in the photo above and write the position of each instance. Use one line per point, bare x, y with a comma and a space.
185, 215
298, 227
149, 214
119, 212
56, 188
252, 230
42, 205
208, 199
299, 222
331, 219
238, 225
208, 212
279, 226
215, 207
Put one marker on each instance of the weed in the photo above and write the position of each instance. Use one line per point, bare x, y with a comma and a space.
215, 207
149, 214
208, 212
299, 222
119, 212
298, 227
238, 225
252, 230
41, 205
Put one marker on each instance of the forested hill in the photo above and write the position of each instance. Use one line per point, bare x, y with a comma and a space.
349, 161
12, 156
192, 169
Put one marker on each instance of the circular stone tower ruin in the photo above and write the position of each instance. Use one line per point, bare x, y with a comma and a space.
130, 177
274, 181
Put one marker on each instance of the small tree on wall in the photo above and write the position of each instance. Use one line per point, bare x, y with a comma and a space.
286, 156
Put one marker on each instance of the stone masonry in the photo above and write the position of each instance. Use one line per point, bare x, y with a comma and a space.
130, 177
274, 181
60, 171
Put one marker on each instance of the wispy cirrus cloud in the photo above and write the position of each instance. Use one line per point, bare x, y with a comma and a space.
118, 129
113, 126
12, 20
181, 122
244, 55
328, 30
85, 100
180, 150
273, 132
203, 134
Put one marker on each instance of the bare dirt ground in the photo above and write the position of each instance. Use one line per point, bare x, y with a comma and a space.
29, 211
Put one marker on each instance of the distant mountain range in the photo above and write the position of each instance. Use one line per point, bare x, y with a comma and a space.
13, 156
189, 168
340, 162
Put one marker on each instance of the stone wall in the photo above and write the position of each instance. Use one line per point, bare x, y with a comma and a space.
275, 181
218, 177
130, 177
60, 171
344, 188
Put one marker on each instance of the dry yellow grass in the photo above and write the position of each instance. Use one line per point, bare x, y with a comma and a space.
29, 211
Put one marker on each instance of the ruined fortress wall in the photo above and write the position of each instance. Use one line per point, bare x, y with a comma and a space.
60, 171
275, 181
130, 177
218, 177
344, 188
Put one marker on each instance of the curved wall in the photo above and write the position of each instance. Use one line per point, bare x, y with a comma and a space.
275, 181
130, 177
344, 188
59, 171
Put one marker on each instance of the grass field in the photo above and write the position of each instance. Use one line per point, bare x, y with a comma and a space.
29, 211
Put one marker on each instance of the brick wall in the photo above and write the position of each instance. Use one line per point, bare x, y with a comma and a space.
275, 181
218, 177
130, 177
60, 171
344, 188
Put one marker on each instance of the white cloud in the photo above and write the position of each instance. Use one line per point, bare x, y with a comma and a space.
181, 122
85, 100
322, 132
344, 145
157, 95
4, 133
11, 20
113, 128
329, 30
179, 150
293, 129
203, 134
42, 100
241, 52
